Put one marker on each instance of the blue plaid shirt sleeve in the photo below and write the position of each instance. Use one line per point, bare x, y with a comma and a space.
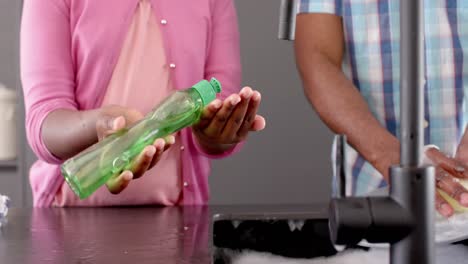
321, 6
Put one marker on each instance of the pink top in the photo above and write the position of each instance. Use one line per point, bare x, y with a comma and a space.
70, 48
141, 80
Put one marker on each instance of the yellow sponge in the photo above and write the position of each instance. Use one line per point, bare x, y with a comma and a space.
456, 206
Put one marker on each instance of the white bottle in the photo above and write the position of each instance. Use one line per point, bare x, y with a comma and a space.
8, 143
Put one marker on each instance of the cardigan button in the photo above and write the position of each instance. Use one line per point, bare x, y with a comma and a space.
163, 21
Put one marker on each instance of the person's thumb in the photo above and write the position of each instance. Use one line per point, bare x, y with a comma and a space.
117, 184
108, 125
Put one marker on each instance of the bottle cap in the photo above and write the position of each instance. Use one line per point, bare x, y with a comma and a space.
208, 90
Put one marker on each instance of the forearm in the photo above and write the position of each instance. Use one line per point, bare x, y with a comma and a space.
342, 108
67, 132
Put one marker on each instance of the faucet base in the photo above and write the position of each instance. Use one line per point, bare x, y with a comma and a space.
405, 219
414, 189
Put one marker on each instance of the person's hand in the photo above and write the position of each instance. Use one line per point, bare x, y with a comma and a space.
224, 124
449, 171
114, 118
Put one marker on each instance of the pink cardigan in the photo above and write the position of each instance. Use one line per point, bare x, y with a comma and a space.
69, 49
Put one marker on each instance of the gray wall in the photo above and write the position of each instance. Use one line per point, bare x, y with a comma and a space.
9, 11
12, 176
287, 163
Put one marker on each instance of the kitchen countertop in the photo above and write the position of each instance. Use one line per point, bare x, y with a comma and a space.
130, 235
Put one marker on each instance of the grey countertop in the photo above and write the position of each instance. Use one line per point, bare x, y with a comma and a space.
136, 235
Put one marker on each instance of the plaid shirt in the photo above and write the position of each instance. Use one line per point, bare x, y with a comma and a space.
372, 62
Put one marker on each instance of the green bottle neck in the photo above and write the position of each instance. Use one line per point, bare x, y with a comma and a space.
196, 97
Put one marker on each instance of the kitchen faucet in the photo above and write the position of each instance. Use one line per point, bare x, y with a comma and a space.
404, 218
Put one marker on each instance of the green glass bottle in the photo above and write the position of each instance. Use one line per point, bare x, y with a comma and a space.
94, 166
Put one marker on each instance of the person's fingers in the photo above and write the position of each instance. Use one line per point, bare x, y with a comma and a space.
208, 114
108, 125
160, 146
250, 116
142, 163
237, 117
113, 118
116, 185
451, 186
442, 206
258, 124
132, 116
219, 121
168, 142
453, 166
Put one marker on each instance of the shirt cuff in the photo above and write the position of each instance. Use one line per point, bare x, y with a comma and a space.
35, 131
333, 7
